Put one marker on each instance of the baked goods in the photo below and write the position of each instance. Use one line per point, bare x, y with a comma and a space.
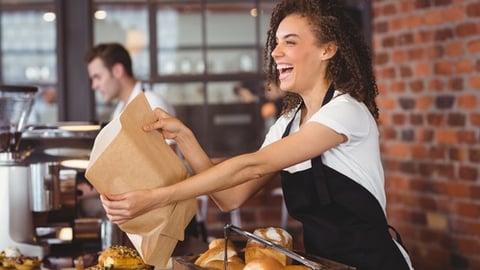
255, 250
121, 257
234, 264
267, 263
11, 258
216, 252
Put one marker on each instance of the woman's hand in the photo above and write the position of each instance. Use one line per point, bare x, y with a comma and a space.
166, 123
121, 208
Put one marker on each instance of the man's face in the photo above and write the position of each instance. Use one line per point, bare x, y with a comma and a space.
103, 80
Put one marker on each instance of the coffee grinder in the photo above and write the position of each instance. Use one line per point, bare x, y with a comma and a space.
16, 222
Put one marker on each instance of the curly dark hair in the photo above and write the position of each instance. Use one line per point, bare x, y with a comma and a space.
350, 70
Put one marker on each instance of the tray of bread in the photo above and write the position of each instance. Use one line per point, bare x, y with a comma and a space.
265, 249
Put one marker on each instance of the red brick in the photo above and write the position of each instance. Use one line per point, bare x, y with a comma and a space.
398, 56
453, 14
468, 246
446, 136
406, 6
468, 209
416, 54
474, 82
424, 135
455, 84
424, 103
443, 68
397, 87
446, 171
467, 137
455, 48
423, 69
466, 30
424, 36
433, 17
475, 119
413, 22
398, 150
468, 102
399, 119
464, 226
436, 119
469, 173
473, 10
422, 185
454, 189
458, 154
473, 46
474, 155
386, 73
436, 85
387, 103
418, 152
465, 66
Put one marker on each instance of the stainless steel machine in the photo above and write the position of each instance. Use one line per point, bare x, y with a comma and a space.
16, 226
40, 168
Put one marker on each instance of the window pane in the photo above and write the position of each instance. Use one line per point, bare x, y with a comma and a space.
128, 25
231, 24
179, 39
181, 93
179, 25
28, 47
266, 9
232, 60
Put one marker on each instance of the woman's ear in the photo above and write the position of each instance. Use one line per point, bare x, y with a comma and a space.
329, 50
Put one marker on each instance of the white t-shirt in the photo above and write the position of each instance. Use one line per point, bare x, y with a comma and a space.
358, 157
154, 100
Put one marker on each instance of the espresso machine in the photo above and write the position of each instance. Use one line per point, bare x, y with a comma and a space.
16, 222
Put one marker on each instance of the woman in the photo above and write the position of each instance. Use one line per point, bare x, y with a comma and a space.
325, 144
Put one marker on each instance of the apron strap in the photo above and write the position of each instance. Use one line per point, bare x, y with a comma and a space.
320, 182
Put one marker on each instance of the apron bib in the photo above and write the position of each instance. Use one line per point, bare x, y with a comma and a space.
341, 220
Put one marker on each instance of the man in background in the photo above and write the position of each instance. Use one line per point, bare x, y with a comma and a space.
111, 74
110, 70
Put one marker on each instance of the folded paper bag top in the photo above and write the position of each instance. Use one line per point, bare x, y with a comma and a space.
126, 158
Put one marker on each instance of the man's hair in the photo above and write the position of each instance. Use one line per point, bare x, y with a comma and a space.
111, 54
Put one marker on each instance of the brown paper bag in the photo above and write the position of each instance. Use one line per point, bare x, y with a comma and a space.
126, 158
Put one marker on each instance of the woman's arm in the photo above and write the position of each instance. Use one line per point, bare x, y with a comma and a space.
310, 141
198, 160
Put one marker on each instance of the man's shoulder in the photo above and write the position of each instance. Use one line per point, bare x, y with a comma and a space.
157, 101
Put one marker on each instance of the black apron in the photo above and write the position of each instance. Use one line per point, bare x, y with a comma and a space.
342, 221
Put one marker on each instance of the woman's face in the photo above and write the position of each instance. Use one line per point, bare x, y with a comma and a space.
297, 55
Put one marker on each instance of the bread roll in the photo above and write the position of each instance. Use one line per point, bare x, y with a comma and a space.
216, 253
267, 263
220, 242
255, 250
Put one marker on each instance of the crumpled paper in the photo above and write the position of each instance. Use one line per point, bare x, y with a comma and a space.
126, 158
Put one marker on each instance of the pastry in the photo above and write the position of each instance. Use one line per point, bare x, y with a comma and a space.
121, 257
267, 263
256, 250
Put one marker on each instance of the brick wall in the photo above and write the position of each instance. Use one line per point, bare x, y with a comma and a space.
427, 62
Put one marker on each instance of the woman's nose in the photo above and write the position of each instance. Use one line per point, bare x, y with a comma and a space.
276, 52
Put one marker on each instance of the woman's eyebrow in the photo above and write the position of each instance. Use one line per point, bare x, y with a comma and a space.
287, 36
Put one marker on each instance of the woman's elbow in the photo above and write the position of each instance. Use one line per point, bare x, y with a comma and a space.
228, 205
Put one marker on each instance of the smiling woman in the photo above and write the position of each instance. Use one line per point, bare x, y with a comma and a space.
325, 145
